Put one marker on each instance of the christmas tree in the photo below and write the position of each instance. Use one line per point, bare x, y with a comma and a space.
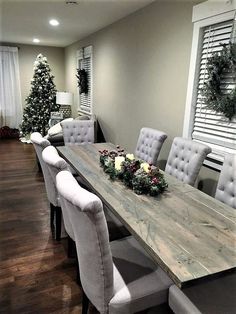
41, 100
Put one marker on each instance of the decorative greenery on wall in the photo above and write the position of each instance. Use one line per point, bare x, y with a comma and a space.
82, 81
220, 66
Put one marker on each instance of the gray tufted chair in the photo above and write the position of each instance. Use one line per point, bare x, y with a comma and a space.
180, 303
149, 144
185, 159
117, 277
226, 188
78, 132
56, 164
215, 296
40, 144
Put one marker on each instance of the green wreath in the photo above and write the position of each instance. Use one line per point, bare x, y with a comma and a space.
218, 66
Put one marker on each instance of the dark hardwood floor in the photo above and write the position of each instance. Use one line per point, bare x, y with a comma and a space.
35, 274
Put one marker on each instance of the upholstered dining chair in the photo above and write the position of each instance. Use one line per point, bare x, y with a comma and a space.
185, 159
40, 144
149, 144
226, 188
206, 296
180, 303
117, 277
78, 132
56, 164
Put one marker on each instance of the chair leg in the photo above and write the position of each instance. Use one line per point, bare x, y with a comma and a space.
58, 223
85, 303
71, 252
78, 273
52, 215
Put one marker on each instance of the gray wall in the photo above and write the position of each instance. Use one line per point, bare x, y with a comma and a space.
140, 73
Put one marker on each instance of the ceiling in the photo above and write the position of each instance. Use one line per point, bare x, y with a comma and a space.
23, 20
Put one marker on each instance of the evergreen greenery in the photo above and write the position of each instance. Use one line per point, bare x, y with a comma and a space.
220, 66
82, 77
41, 100
142, 177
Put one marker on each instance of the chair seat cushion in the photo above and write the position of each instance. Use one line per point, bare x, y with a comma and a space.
138, 281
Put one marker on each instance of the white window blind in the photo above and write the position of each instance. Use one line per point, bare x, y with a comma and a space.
208, 126
84, 61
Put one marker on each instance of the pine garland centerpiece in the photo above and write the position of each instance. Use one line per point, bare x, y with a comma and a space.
221, 66
140, 176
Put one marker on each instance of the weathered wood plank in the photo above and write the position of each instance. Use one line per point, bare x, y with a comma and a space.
189, 234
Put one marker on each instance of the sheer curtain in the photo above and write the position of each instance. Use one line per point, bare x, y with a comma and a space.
10, 92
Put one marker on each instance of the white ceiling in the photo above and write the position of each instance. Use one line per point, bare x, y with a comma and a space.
23, 20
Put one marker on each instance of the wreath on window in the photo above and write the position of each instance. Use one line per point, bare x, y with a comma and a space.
221, 66
82, 77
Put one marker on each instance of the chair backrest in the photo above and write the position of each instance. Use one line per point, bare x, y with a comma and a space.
92, 240
56, 164
39, 144
226, 188
78, 131
180, 303
149, 144
185, 159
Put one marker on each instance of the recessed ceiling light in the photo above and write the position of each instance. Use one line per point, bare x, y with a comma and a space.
36, 40
71, 2
54, 22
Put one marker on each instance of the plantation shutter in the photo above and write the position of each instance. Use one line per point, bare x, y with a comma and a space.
84, 57
210, 127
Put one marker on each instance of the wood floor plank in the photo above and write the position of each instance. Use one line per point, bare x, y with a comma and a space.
36, 277
35, 274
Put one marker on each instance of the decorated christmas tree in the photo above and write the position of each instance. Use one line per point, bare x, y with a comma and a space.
41, 100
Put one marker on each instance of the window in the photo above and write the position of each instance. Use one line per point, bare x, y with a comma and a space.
200, 123
10, 92
84, 61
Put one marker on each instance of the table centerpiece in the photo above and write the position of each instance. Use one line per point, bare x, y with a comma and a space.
142, 177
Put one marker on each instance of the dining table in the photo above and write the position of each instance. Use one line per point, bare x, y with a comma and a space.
188, 233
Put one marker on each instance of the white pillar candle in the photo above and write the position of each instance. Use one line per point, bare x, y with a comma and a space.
130, 156
118, 161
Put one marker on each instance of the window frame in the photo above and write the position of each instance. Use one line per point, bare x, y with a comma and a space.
204, 14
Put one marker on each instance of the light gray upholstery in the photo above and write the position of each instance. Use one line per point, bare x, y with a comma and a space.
215, 296
138, 282
129, 283
56, 164
149, 144
78, 132
39, 144
185, 159
91, 237
180, 303
226, 188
